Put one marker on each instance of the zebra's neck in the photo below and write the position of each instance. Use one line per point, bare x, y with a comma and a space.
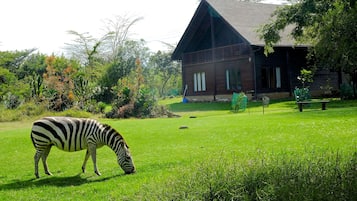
111, 138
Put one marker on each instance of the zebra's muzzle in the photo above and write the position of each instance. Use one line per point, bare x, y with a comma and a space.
130, 171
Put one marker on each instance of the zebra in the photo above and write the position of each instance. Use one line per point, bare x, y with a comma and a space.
74, 134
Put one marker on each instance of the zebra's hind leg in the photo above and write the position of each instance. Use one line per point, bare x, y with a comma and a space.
37, 157
44, 159
85, 161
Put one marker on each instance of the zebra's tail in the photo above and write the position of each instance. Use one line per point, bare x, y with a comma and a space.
33, 140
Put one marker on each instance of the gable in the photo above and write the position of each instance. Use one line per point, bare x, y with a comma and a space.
240, 21
246, 17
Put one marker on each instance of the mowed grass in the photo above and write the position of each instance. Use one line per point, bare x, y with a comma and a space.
162, 151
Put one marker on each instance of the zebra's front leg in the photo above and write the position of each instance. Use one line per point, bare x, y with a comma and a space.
85, 161
93, 151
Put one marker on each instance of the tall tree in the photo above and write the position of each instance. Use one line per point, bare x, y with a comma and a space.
329, 26
117, 31
12, 75
12, 60
59, 82
165, 68
85, 48
32, 71
122, 66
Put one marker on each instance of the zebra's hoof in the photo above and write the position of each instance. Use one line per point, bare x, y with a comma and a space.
49, 173
83, 170
98, 173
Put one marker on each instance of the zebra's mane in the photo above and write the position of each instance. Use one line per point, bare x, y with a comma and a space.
107, 127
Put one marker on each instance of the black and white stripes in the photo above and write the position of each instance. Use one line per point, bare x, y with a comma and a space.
74, 134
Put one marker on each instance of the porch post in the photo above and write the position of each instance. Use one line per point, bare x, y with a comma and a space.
213, 44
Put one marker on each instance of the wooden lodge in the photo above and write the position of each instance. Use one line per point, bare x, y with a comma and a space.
221, 53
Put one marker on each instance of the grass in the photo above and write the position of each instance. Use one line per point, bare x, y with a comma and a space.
249, 147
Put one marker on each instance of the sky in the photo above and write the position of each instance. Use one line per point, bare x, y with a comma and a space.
43, 24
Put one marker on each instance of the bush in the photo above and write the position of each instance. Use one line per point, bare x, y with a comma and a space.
346, 91
24, 111
31, 109
328, 176
302, 94
144, 105
11, 101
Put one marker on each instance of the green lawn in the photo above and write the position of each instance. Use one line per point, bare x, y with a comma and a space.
161, 150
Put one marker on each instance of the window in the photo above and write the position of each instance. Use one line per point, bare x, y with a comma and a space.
199, 81
278, 77
233, 80
271, 77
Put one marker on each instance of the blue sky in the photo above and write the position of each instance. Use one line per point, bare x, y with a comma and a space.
43, 24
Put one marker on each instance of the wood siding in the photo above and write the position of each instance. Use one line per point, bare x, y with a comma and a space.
235, 57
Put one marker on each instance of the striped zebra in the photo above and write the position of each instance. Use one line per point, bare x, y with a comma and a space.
74, 134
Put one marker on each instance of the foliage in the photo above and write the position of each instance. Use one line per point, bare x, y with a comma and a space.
121, 68
168, 69
82, 90
239, 102
12, 91
346, 91
11, 101
12, 60
91, 72
318, 177
31, 71
303, 93
85, 48
7, 79
328, 26
134, 99
305, 77
26, 110
59, 83
118, 31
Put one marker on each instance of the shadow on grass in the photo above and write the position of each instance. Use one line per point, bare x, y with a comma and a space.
76, 180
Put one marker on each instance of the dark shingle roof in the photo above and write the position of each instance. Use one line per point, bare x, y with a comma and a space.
247, 17
244, 17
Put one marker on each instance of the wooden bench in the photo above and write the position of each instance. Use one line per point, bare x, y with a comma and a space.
323, 104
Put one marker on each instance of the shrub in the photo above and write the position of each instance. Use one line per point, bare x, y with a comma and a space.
329, 176
11, 101
31, 109
346, 91
302, 94
143, 105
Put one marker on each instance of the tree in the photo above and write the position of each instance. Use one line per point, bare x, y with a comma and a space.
329, 26
59, 82
117, 31
12, 60
165, 68
122, 67
32, 71
13, 86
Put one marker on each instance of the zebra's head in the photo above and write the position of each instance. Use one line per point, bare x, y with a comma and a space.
124, 158
119, 146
